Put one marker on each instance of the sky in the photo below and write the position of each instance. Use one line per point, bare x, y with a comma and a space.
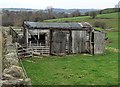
66, 4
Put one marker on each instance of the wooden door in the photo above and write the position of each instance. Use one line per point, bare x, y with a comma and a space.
99, 42
59, 42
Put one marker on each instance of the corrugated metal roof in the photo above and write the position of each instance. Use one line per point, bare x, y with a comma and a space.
41, 25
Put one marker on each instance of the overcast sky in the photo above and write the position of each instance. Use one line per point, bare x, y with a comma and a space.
67, 4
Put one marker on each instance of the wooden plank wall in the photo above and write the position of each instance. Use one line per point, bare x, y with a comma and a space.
59, 42
79, 41
99, 42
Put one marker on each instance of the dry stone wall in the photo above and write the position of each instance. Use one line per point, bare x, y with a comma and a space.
12, 74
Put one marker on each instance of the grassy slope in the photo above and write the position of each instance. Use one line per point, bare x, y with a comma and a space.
110, 19
77, 69
113, 38
110, 15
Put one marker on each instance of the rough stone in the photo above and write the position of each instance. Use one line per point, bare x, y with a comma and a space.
27, 81
7, 77
13, 83
11, 55
14, 71
8, 62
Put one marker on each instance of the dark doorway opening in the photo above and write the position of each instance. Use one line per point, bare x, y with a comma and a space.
33, 38
92, 42
42, 39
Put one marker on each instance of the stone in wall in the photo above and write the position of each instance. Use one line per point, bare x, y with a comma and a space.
8, 62
11, 55
14, 71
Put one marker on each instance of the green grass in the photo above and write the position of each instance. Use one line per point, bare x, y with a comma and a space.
81, 18
113, 39
73, 19
74, 70
113, 23
110, 10
110, 15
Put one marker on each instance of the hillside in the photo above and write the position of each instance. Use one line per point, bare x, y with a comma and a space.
111, 19
109, 15
110, 10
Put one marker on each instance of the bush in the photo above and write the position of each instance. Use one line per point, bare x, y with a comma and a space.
93, 14
100, 24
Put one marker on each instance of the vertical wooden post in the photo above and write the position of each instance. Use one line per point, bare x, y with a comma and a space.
38, 37
51, 35
16, 47
30, 44
91, 42
27, 37
46, 39
24, 32
70, 41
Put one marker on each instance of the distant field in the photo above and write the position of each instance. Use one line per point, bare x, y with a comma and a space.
81, 18
110, 15
110, 19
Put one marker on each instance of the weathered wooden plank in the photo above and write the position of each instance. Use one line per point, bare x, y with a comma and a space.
99, 42
79, 39
59, 42
51, 36
70, 42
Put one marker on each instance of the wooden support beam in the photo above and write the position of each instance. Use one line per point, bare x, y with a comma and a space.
27, 36
70, 41
51, 35
91, 43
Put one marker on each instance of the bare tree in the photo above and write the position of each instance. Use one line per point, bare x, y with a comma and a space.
50, 12
75, 13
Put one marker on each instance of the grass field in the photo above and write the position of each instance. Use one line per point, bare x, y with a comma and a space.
74, 70
110, 19
109, 16
79, 69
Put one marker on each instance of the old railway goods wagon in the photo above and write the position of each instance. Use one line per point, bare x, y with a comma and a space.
63, 38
